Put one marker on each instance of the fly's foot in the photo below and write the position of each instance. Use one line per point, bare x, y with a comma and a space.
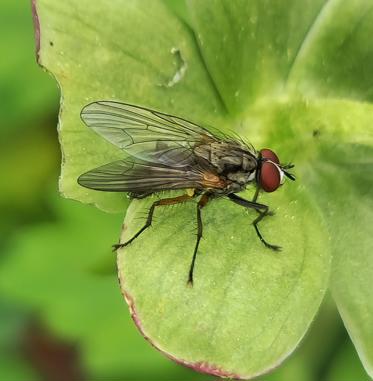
266, 244
118, 246
272, 247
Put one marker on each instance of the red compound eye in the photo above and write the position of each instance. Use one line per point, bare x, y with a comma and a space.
270, 155
270, 178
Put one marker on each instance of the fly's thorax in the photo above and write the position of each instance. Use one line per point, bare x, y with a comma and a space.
228, 158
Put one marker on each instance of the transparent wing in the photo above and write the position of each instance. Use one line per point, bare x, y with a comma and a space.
146, 134
136, 177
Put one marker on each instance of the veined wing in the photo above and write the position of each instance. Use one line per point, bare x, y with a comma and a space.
146, 134
136, 177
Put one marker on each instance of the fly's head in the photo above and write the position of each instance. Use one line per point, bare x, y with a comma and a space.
271, 174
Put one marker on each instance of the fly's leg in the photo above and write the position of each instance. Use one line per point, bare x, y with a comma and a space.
263, 211
255, 223
255, 198
201, 203
256, 194
162, 202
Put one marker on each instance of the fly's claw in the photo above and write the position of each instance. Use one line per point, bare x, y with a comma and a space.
273, 247
118, 246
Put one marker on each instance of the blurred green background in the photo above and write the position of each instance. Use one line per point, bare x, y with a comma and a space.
62, 316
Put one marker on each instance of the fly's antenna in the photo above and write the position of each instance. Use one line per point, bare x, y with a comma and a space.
289, 175
286, 173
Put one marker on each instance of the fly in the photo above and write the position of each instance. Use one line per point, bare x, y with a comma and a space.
166, 152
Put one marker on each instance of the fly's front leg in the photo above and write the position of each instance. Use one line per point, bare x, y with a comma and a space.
256, 194
255, 198
256, 222
263, 211
162, 202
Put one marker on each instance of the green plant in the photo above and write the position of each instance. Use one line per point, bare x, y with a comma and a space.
294, 76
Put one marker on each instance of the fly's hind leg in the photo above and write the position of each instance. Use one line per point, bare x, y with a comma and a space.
162, 202
263, 211
201, 203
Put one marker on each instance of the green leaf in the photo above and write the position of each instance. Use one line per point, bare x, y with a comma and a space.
13, 365
346, 366
311, 361
14, 369
250, 46
21, 158
335, 153
54, 270
109, 61
336, 56
318, 48
352, 241
25, 91
287, 75
249, 306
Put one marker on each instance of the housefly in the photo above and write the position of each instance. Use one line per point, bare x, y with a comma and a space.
165, 152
